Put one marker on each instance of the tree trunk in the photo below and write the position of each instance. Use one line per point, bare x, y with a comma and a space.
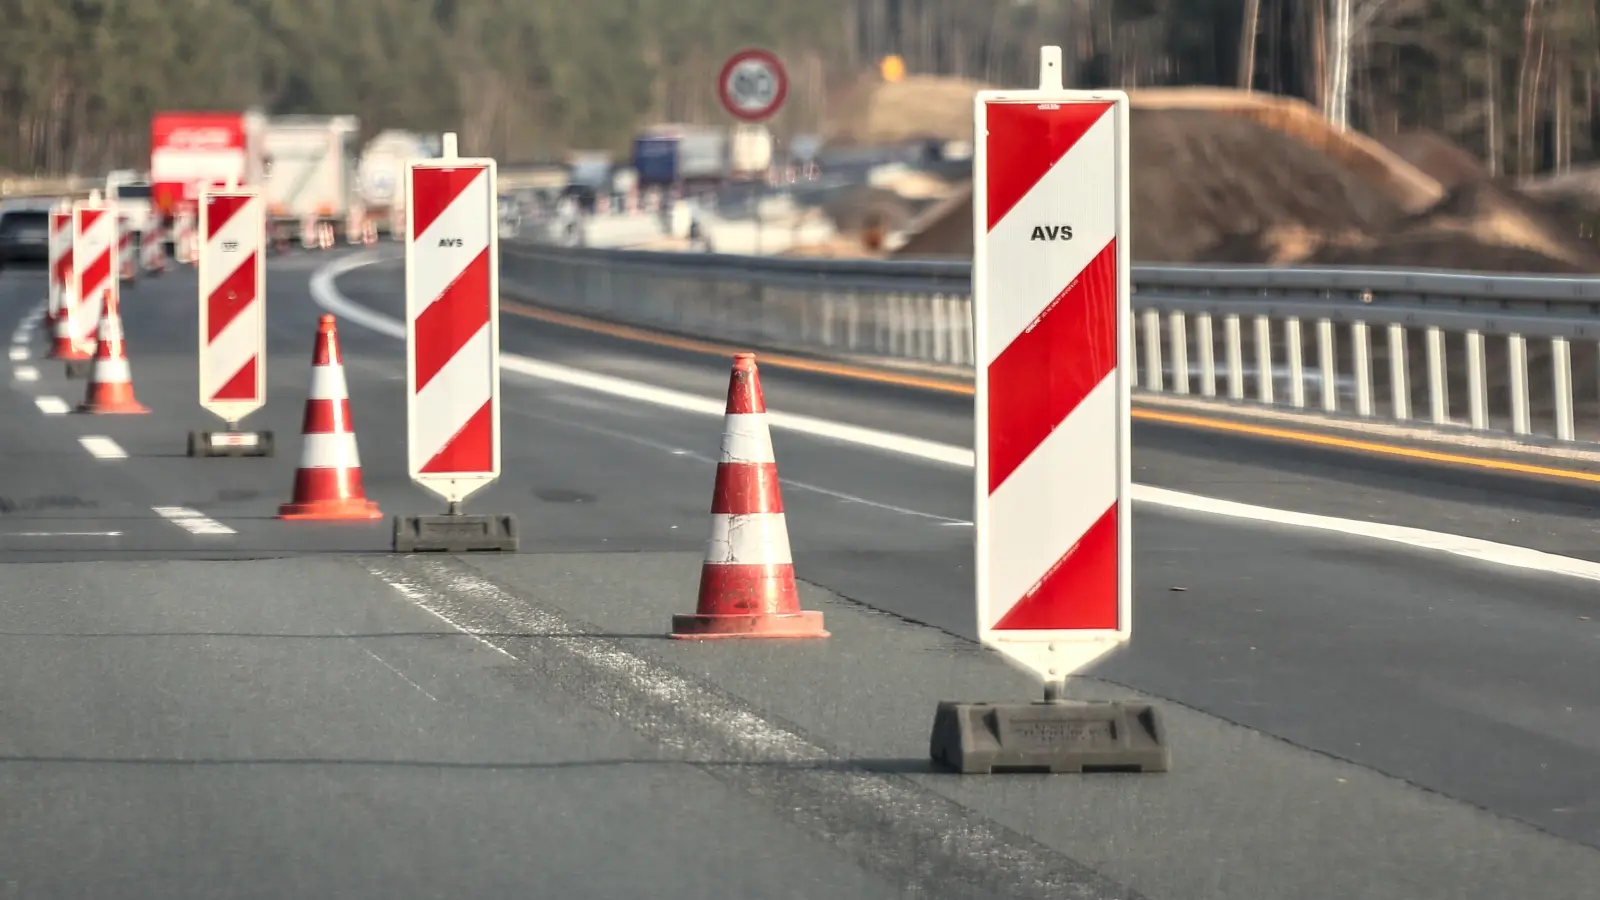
1247, 44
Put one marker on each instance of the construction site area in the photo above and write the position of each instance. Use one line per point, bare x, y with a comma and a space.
1225, 176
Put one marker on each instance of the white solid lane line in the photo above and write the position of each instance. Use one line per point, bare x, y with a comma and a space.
328, 297
101, 447
46, 534
192, 521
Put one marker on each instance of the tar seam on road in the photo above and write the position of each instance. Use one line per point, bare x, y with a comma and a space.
935, 847
1508, 555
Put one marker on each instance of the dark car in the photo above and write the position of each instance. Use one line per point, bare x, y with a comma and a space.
24, 236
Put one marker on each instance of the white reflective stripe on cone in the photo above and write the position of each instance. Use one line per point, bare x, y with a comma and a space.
112, 371
751, 539
746, 439
330, 451
327, 383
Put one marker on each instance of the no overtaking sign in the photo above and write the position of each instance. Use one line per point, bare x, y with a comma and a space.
752, 85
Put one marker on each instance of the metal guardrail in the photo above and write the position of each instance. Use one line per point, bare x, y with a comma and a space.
11, 186
1516, 356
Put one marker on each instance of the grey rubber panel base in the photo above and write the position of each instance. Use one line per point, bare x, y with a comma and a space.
1048, 736
232, 443
455, 534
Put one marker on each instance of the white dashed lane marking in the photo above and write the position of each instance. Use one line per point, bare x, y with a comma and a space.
192, 521
101, 447
25, 373
19, 354
52, 406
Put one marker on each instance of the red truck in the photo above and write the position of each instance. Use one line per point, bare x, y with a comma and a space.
190, 150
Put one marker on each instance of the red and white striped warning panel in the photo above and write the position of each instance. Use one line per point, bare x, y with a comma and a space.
453, 324
152, 246
60, 258
233, 313
183, 235
94, 251
127, 250
1051, 310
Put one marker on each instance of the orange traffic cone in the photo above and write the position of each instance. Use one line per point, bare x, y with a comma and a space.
65, 345
747, 584
328, 483
110, 379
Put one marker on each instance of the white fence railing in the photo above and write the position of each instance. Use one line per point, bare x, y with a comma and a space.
1515, 356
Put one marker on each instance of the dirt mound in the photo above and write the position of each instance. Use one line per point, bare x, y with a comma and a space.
1223, 175
1201, 180
1441, 248
1498, 216
854, 210
1438, 157
1411, 188
838, 248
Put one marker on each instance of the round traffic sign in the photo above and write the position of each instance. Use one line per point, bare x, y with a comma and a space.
752, 85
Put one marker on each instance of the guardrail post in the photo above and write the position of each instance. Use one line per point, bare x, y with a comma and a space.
1152, 350
1235, 349
1438, 384
1517, 351
1264, 374
1179, 337
1399, 383
1477, 390
1329, 364
1362, 346
1208, 351
1561, 363
1297, 372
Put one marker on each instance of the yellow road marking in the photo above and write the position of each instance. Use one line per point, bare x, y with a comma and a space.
948, 386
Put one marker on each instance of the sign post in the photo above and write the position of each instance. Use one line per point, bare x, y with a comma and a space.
752, 87
1050, 291
94, 274
453, 350
60, 250
233, 319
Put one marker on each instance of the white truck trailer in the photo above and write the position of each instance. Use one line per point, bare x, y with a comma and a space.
382, 172
310, 170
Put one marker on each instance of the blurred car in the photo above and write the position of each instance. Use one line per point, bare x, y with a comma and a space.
24, 236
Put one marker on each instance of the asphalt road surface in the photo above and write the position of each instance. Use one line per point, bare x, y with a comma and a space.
198, 700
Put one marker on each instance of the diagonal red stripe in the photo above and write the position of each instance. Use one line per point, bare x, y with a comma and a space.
1025, 140
219, 210
230, 298
1042, 375
1079, 591
432, 192
470, 450
327, 417
242, 386
459, 313
746, 488
87, 219
94, 275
